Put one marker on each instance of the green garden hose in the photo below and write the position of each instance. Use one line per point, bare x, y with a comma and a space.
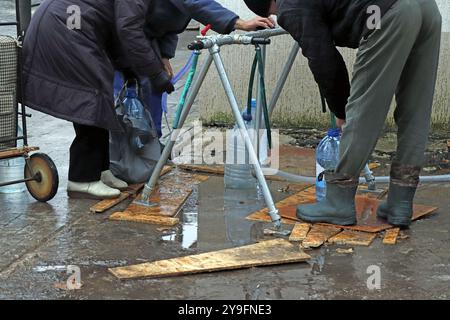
258, 62
185, 92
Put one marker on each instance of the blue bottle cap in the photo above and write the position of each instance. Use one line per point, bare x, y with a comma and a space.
131, 92
334, 133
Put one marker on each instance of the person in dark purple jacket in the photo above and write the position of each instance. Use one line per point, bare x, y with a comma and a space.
398, 45
70, 52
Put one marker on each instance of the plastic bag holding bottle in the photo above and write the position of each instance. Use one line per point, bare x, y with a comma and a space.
135, 151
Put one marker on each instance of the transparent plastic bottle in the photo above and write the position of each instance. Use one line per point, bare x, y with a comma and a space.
135, 109
12, 170
238, 168
132, 103
327, 158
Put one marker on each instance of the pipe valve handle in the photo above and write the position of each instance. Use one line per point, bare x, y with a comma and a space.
196, 45
261, 41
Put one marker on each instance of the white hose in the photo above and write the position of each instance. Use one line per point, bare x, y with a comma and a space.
303, 179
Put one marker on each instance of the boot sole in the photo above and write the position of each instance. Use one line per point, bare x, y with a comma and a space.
84, 195
331, 220
402, 223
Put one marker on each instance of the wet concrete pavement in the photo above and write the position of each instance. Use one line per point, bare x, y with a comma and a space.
38, 241
37, 237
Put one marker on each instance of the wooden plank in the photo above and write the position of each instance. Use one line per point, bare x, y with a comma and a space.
300, 232
166, 200
318, 235
265, 253
132, 190
366, 208
390, 237
353, 238
217, 170
144, 218
16, 152
264, 217
107, 204
163, 204
287, 207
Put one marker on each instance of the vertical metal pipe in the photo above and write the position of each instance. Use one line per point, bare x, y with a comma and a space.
283, 78
214, 51
23, 15
149, 187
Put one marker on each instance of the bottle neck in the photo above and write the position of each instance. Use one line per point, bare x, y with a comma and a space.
334, 133
131, 92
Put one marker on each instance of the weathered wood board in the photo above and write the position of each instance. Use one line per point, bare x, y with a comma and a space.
318, 235
167, 200
353, 238
131, 191
107, 204
391, 235
265, 253
217, 170
299, 232
144, 218
16, 152
366, 208
286, 207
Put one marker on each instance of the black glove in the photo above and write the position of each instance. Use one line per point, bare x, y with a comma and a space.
129, 76
161, 83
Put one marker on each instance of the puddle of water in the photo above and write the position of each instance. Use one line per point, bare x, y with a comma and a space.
223, 220
317, 264
187, 235
49, 268
238, 204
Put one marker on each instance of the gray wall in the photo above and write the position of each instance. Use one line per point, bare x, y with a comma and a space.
299, 104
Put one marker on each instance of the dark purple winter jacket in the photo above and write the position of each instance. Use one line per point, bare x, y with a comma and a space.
67, 70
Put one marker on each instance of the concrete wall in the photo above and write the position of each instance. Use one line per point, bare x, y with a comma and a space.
299, 104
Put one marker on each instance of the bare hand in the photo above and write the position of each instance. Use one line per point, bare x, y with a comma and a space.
340, 123
254, 24
167, 67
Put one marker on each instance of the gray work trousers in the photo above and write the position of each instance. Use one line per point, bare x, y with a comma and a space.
401, 59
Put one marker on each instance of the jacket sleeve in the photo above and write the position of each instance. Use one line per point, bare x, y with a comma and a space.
304, 21
168, 45
211, 12
130, 21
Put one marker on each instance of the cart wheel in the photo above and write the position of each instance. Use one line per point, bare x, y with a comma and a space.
45, 187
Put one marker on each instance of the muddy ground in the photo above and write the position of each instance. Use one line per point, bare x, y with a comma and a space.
38, 241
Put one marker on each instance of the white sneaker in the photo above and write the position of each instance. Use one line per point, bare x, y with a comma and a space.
110, 180
91, 190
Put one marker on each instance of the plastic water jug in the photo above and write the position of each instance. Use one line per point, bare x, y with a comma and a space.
327, 158
238, 168
135, 109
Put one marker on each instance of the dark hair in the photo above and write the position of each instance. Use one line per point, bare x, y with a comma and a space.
260, 7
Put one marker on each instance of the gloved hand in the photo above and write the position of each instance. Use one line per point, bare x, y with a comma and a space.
129, 76
161, 83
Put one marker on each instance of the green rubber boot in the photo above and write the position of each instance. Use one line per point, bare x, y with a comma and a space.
337, 208
398, 209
